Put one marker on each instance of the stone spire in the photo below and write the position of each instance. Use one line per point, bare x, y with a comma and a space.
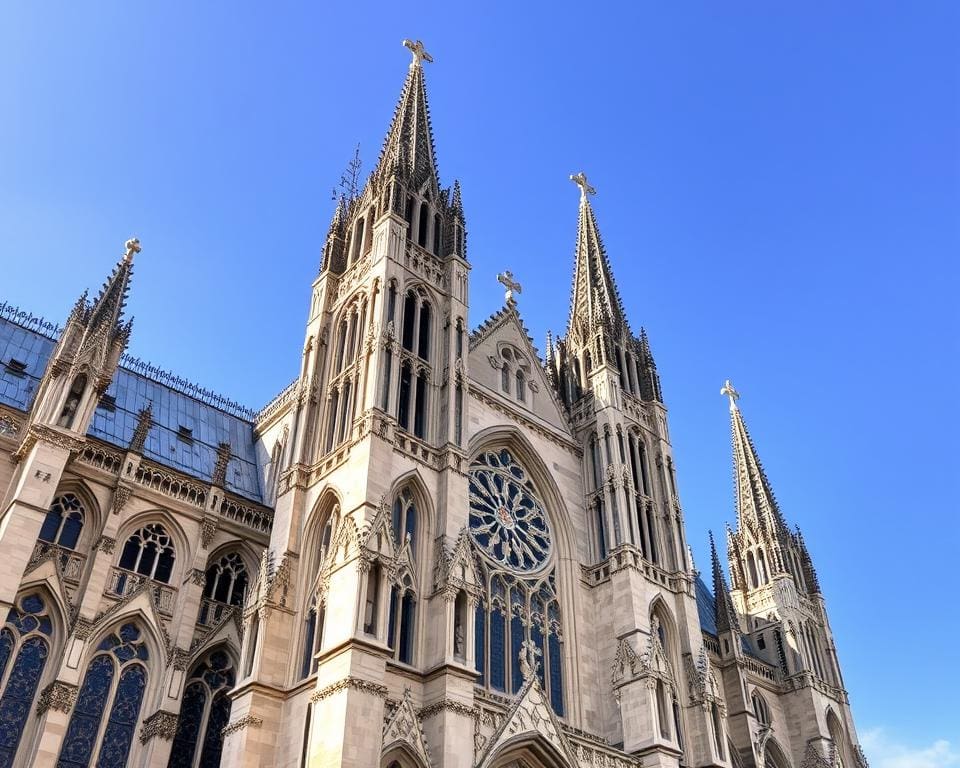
726, 617
758, 513
408, 150
595, 302
106, 313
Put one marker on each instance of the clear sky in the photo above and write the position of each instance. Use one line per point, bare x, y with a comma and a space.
778, 190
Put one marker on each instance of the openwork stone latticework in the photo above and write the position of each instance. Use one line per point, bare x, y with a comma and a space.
435, 547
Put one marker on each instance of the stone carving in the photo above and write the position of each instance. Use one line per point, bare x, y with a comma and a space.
121, 495
160, 724
208, 527
58, 696
219, 476
144, 422
106, 544
402, 726
247, 721
356, 683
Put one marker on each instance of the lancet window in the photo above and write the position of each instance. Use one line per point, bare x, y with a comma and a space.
149, 552
64, 522
105, 716
225, 586
24, 648
402, 603
515, 375
345, 374
414, 379
315, 608
204, 713
520, 608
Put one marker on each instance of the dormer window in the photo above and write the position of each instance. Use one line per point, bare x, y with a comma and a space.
515, 375
107, 403
185, 434
16, 367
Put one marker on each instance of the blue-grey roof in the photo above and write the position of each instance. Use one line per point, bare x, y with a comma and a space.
706, 608
132, 391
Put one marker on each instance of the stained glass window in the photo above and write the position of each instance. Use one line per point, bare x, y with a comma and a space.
116, 678
511, 533
204, 714
63, 522
25, 639
149, 552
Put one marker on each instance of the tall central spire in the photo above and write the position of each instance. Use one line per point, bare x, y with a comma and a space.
408, 150
596, 300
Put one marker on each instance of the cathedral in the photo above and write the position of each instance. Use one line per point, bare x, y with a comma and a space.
433, 549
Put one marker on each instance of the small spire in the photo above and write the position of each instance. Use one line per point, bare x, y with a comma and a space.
140, 432
725, 614
107, 309
730, 392
506, 279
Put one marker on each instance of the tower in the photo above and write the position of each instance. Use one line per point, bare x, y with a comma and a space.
367, 457
781, 614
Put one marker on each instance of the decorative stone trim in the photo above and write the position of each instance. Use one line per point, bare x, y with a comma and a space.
196, 576
448, 704
208, 527
178, 658
120, 497
106, 544
240, 724
162, 724
356, 683
82, 628
58, 696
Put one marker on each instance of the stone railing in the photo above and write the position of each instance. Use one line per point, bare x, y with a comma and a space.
257, 518
101, 458
277, 403
123, 582
153, 477
425, 264
766, 671
582, 410
72, 562
213, 612
628, 556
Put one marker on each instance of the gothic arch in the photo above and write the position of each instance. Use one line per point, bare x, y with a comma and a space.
133, 612
183, 552
327, 502
527, 750
837, 734
427, 521
251, 560
59, 610
774, 755
399, 755
93, 514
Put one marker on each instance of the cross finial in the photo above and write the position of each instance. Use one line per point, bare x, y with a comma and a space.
730, 392
418, 51
133, 246
506, 279
580, 179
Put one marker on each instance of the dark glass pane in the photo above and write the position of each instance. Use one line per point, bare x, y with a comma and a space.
6, 648
412, 526
423, 348
123, 718
516, 641
308, 635
409, 310
397, 522
51, 524
165, 567
130, 551
479, 646
188, 727
213, 741
223, 588
209, 581
18, 696
239, 589
536, 635
497, 651
85, 721
392, 618
70, 534
147, 558
556, 675
407, 618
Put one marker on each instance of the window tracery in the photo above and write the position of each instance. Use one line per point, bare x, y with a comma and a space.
150, 553
25, 638
204, 713
63, 522
515, 373
116, 678
225, 585
512, 538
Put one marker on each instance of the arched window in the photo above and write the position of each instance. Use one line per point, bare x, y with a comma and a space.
409, 320
762, 566
402, 620
372, 602
357, 240
24, 639
114, 683
404, 519
423, 340
717, 728
225, 585
505, 378
520, 615
752, 570
73, 401
438, 235
423, 224
63, 522
150, 553
204, 713
521, 386
760, 709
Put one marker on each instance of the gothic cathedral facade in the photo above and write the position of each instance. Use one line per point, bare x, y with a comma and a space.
433, 549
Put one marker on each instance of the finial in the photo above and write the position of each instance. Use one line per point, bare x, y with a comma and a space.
730, 392
580, 179
506, 279
133, 246
418, 51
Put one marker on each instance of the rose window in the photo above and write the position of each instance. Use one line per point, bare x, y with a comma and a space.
507, 522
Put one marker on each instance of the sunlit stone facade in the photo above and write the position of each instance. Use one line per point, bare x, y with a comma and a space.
434, 548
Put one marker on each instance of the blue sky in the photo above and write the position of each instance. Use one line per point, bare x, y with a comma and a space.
779, 188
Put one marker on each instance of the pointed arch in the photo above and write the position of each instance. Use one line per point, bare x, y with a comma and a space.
527, 749
400, 755
182, 544
426, 513
774, 755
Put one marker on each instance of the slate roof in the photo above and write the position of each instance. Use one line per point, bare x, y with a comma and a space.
172, 409
706, 608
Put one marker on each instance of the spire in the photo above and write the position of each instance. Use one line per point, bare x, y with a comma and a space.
595, 297
408, 150
107, 310
723, 605
757, 508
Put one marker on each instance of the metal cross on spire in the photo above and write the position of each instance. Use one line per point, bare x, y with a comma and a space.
580, 179
132, 246
730, 392
418, 51
506, 279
